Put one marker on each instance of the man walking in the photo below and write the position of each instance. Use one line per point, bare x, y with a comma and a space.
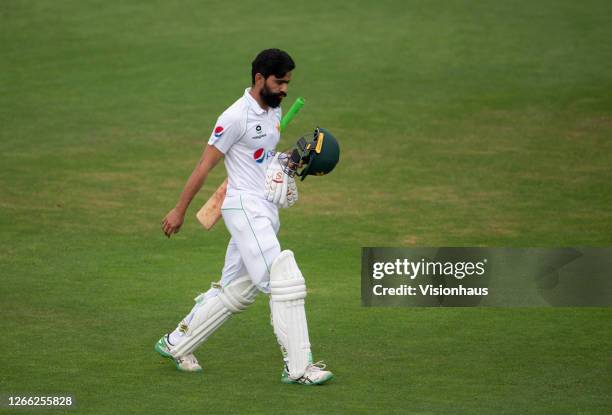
246, 135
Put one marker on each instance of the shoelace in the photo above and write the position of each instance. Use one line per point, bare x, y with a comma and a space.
314, 367
317, 366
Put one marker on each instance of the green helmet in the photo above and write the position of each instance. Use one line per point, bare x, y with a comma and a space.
321, 155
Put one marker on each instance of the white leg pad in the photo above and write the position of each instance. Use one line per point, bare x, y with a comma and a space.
287, 293
213, 312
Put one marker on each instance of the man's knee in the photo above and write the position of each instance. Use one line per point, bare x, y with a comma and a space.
260, 264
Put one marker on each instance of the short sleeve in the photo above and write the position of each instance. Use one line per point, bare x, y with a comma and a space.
227, 131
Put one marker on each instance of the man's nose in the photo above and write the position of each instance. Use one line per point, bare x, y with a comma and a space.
283, 88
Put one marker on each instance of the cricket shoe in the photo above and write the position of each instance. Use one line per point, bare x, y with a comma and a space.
314, 375
187, 363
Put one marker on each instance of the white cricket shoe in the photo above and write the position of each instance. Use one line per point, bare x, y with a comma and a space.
187, 363
314, 375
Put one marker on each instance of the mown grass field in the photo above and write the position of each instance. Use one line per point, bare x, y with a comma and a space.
462, 123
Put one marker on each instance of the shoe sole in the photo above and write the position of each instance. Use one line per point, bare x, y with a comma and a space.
159, 349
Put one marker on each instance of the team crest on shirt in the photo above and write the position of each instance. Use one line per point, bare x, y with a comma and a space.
218, 131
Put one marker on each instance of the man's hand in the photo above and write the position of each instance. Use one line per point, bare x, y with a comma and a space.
172, 222
174, 219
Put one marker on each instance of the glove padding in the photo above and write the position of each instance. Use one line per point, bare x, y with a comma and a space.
280, 187
292, 192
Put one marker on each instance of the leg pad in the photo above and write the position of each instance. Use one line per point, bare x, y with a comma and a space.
213, 312
287, 293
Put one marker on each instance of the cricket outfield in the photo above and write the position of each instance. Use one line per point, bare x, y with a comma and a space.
461, 124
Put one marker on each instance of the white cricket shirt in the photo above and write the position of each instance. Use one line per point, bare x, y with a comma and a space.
247, 135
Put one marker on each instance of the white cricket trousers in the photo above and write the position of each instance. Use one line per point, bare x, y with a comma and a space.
253, 223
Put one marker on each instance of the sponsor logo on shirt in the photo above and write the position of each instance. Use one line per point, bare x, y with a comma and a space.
261, 154
218, 131
259, 134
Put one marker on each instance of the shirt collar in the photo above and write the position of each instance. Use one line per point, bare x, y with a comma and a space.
253, 103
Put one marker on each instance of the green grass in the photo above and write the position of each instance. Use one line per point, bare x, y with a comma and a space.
461, 123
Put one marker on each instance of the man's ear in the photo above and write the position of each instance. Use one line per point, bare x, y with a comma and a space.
259, 79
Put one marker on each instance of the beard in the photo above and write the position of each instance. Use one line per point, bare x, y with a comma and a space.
271, 99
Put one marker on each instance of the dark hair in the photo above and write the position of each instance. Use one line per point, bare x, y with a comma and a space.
271, 62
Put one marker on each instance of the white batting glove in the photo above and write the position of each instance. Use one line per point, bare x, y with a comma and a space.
275, 176
280, 188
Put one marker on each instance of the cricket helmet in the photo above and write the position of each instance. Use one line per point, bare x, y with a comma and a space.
320, 155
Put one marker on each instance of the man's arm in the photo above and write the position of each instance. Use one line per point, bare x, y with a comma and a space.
174, 219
